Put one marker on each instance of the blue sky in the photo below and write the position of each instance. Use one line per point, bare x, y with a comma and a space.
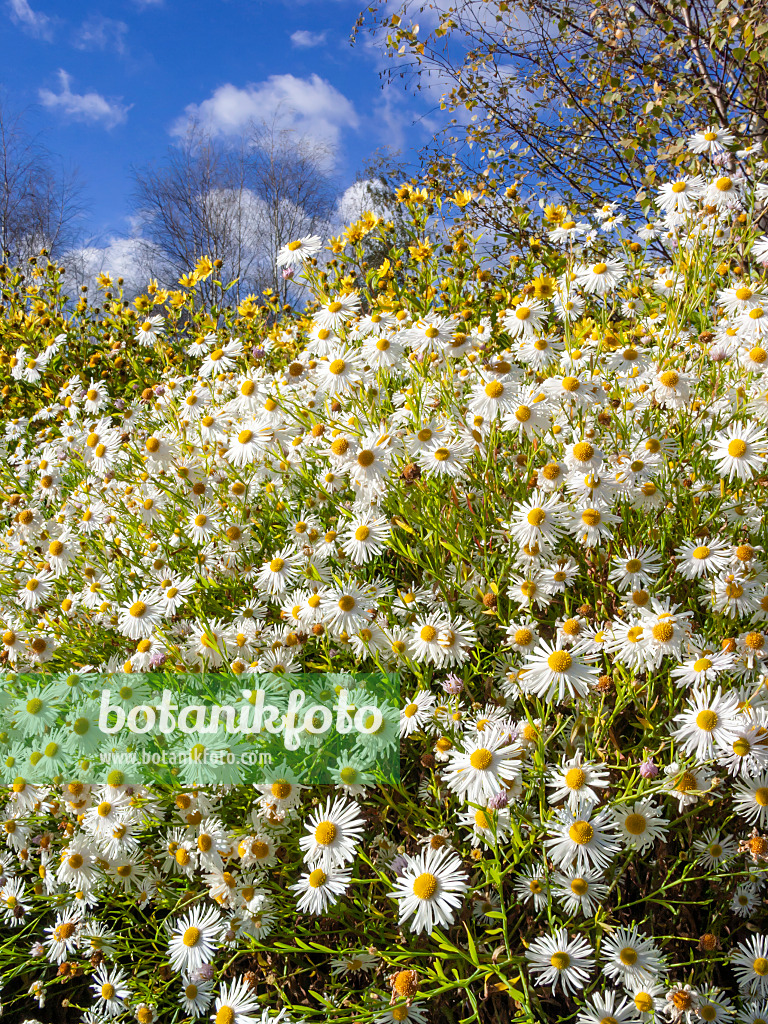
110, 91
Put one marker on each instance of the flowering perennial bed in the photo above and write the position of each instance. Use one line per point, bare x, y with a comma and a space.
535, 490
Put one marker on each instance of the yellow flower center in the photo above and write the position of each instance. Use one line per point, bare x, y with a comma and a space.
325, 833
737, 448
559, 661
581, 832
480, 759
425, 886
583, 451
663, 632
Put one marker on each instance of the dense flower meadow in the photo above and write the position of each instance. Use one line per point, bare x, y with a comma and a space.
533, 487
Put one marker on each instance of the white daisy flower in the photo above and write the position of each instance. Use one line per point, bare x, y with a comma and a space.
334, 830
587, 840
320, 888
559, 960
430, 889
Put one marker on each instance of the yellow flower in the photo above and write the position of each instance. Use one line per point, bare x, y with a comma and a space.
187, 281
420, 252
248, 308
543, 287
462, 198
336, 244
104, 281
555, 214
203, 268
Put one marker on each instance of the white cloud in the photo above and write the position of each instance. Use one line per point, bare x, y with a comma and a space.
100, 33
90, 106
305, 40
120, 257
356, 200
36, 23
311, 107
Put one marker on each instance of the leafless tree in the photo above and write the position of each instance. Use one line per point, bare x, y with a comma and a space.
236, 201
40, 203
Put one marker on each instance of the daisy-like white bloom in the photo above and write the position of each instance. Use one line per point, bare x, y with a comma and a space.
236, 1003
672, 389
753, 327
630, 958
493, 396
296, 253
744, 900
140, 617
579, 891
745, 752
36, 590
587, 840
648, 999
591, 525
612, 1006
320, 888
111, 990
531, 887
739, 451
537, 520
485, 767
337, 311
577, 782
559, 960
352, 964
712, 140
334, 830
600, 278
203, 524
280, 572
715, 1007
760, 249
525, 319
522, 635
725, 193
340, 373
636, 568
708, 720
641, 824
417, 713
750, 798
430, 889
196, 996
194, 938
221, 359
446, 459
699, 557
741, 298
551, 673
682, 195
365, 537
150, 330
248, 444
687, 785
750, 965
